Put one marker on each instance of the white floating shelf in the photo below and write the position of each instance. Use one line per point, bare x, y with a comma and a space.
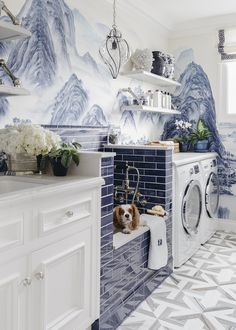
144, 108
9, 31
13, 91
151, 78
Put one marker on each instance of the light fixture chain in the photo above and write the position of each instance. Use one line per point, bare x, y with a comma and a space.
114, 13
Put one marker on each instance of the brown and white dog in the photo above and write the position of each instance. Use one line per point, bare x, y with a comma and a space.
126, 218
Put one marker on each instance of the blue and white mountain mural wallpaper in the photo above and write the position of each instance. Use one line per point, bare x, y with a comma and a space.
51, 67
195, 100
61, 67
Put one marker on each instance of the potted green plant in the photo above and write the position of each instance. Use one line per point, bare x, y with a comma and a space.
62, 158
183, 128
183, 143
200, 137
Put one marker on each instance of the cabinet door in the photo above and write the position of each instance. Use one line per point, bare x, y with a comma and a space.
13, 294
61, 294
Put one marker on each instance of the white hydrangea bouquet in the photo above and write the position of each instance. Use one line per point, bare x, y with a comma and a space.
142, 59
23, 142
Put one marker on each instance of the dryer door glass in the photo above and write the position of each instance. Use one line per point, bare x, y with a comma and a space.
212, 195
192, 208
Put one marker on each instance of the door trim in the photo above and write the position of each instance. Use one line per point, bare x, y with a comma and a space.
191, 231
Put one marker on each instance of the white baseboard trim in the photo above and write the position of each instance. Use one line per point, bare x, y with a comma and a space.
226, 225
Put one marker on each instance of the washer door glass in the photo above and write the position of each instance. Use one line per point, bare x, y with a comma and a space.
212, 195
192, 208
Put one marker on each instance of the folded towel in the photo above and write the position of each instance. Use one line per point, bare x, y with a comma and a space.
158, 251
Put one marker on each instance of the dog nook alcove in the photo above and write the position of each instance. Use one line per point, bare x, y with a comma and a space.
128, 223
125, 194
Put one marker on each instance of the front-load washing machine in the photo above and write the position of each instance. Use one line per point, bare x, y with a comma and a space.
187, 208
211, 194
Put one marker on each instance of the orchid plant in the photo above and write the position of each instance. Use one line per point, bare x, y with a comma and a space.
184, 129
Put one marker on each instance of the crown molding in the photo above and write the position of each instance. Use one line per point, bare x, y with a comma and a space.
203, 26
174, 31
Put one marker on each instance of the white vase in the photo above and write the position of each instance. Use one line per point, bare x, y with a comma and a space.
22, 163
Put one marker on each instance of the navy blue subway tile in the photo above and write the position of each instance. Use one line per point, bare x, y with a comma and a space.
106, 210
110, 190
109, 180
155, 186
106, 262
155, 159
164, 194
158, 172
164, 179
105, 230
145, 165
133, 158
105, 171
107, 161
118, 158
145, 152
107, 200
104, 191
107, 239
164, 166
124, 151
107, 248
161, 152
107, 219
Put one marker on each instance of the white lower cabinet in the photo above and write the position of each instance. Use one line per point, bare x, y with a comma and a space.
50, 260
14, 286
61, 285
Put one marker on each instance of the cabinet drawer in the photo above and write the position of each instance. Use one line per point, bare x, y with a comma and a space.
61, 214
11, 231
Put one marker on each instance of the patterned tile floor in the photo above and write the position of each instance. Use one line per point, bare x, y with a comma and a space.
200, 295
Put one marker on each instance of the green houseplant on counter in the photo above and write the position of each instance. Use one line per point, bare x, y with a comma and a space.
200, 137
183, 128
62, 158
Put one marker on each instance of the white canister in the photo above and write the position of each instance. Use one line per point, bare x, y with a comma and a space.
150, 98
157, 99
164, 100
168, 101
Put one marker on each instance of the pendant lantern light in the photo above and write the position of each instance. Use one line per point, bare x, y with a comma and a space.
115, 50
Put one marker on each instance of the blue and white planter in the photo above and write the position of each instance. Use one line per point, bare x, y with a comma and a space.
201, 146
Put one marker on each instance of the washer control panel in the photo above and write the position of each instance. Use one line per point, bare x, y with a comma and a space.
214, 163
196, 169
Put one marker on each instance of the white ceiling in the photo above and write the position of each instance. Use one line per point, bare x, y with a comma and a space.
171, 13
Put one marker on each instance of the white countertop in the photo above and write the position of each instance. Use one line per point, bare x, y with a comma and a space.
137, 146
99, 153
182, 158
14, 185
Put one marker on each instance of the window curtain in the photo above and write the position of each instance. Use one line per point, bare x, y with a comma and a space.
227, 44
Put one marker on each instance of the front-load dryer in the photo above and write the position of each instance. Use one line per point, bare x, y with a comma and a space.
211, 195
187, 210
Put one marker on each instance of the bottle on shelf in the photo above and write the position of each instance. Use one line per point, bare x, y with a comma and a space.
168, 101
157, 98
164, 100
149, 98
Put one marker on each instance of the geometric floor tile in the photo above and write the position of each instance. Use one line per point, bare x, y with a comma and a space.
200, 295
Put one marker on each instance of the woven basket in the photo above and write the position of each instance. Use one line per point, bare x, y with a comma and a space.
22, 163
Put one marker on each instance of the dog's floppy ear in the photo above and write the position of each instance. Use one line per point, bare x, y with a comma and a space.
136, 216
116, 216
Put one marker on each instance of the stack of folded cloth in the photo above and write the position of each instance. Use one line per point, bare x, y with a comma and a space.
157, 210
